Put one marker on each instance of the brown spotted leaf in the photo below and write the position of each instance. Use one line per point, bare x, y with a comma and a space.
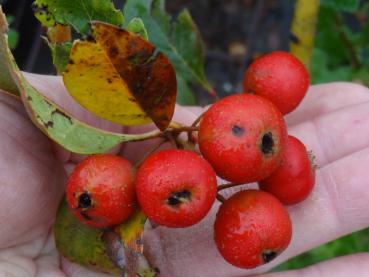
121, 77
57, 124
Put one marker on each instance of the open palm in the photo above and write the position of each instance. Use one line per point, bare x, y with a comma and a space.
332, 121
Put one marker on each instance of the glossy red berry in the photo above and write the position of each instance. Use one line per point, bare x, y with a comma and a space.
294, 179
252, 228
176, 188
242, 136
280, 77
101, 190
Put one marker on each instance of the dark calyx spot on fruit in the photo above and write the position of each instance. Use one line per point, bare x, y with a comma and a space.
268, 255
267, 144
238, 131
177, 198
84, 201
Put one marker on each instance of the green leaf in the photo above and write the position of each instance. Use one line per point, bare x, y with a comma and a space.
77, 13
328, 38
137, 26
186, 97
179, 39
321, 72
342, 5
60, 54
115, 251
13, 35
6, 80
67, 131
80, 243
44, 11
13, 38
189, 45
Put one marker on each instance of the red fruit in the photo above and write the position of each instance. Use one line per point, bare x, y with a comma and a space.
252, 228
280, 77
101, 190
176, 188
294, 179
242, 136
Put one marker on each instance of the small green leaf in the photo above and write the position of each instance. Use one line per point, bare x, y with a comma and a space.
342, 5
13, 38
6, 80
328, 38
13, 35
189, 45
60, 54
186, 97
80, 243
179, 39
77, 13
44, 11
137, 26
321, 72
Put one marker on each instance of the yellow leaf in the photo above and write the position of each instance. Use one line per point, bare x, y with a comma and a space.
303, 29
120, 77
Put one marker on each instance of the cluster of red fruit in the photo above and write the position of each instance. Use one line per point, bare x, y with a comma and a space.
242, 138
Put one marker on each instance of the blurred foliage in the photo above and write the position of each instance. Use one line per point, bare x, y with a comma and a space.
354, 243
342, 42
12, 34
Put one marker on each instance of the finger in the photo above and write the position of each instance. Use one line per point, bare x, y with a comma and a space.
321, 99
75, 270
13, 103
48, 261
352, 265
335, 134
30, 180
38, 257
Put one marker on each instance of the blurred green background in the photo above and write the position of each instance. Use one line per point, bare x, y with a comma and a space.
341, 51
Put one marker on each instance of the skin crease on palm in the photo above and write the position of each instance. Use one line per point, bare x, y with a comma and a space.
332, 121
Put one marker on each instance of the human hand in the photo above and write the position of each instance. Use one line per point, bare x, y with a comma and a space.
332, 121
